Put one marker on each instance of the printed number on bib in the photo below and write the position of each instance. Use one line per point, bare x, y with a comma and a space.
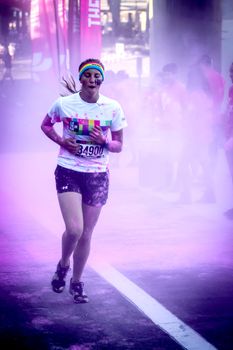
90, 151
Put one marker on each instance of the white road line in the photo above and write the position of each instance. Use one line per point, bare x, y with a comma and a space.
163, 318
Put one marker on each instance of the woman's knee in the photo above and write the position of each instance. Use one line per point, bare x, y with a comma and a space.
85, 238
74, 231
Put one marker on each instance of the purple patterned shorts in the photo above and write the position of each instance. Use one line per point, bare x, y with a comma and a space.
92, 186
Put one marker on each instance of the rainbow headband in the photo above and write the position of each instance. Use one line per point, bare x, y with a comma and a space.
90, 65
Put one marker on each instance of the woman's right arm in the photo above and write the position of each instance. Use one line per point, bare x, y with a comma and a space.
48, 128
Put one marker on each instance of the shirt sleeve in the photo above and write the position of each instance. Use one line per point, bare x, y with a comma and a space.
118, 121
55, 112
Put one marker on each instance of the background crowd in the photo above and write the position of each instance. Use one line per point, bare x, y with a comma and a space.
178, 125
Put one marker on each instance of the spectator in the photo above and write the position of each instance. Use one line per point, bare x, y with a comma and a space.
7, 59
228, 128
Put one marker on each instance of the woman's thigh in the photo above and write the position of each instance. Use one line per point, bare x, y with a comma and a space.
71, 209
90, 218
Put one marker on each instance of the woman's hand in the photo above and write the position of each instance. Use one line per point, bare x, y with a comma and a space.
70, 145
97, 136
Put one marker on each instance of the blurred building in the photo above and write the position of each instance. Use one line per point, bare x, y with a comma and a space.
14, 25
126, 21
182, 30
143, 34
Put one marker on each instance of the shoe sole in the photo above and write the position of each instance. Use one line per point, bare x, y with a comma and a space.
83, 301
58, 291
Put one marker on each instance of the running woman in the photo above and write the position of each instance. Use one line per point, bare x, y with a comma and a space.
92, 128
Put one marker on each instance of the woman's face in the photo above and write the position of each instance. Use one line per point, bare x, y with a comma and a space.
91, 80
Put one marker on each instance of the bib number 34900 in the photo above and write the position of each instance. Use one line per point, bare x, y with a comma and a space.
90, 151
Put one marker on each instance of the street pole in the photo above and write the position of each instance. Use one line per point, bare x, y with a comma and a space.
57, 38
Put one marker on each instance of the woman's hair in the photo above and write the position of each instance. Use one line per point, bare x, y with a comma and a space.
90, 60
91, 63
70, 84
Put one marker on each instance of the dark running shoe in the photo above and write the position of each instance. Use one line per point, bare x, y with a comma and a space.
76, 289
58, 281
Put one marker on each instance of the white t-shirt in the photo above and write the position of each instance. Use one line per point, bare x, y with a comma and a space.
79, 118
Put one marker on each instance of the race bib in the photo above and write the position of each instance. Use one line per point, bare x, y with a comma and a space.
90, 151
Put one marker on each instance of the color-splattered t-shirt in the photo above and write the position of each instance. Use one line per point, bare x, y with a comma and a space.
79, 118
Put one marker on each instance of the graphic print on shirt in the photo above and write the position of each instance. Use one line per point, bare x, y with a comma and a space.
82, 128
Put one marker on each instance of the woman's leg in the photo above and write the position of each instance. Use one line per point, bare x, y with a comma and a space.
82, 250
71, 209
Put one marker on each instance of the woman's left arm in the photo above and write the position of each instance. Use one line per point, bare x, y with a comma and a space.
115, 145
